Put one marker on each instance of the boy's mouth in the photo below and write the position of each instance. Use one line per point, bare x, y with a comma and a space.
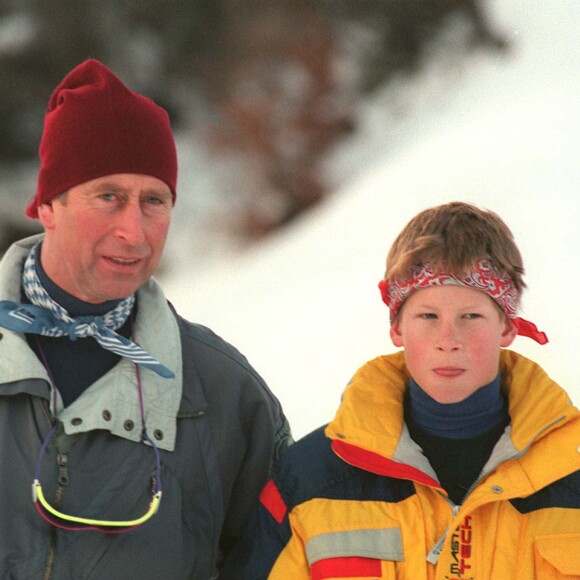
449, 371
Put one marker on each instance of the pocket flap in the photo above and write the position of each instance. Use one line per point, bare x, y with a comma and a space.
562, 551
378, 544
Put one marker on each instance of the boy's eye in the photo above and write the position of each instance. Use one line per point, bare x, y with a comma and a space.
473, 315
428, 316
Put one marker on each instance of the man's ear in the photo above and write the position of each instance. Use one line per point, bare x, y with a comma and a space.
395, 332
509, 333
46, 215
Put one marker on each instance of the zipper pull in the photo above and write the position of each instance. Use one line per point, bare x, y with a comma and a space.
62, 462
435, 551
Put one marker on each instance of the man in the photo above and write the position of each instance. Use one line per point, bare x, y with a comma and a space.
146, 438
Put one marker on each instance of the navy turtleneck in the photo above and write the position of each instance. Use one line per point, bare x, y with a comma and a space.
72, 305
473, 416
457, 438
74, 365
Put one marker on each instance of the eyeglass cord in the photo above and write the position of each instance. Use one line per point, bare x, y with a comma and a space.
118, 526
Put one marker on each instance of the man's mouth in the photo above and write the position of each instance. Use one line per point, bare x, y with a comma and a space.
124, 260
126, 263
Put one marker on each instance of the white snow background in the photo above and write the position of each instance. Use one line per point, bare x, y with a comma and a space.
500, 132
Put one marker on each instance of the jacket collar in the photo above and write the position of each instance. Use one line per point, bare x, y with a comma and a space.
116, 391
369, 430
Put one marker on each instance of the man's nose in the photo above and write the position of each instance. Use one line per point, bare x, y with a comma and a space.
130, 226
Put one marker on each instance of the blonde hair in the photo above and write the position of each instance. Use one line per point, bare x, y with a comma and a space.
450, 238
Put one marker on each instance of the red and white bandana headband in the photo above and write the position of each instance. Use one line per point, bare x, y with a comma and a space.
482, 277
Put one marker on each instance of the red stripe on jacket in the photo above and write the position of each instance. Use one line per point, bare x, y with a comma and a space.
345, 568
271, 499
380, 465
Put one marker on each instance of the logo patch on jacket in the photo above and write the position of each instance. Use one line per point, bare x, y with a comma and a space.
461, 543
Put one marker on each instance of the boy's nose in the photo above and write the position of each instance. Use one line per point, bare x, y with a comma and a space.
448, 339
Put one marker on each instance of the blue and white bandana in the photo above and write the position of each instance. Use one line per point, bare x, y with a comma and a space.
47, 318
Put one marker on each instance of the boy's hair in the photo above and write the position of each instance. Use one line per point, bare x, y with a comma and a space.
450, 238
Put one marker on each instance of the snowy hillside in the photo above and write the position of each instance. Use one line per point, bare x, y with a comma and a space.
304, 306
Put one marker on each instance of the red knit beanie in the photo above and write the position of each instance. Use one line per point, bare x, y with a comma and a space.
96, 126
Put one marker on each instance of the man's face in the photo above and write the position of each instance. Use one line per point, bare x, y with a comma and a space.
452, 336
104, 238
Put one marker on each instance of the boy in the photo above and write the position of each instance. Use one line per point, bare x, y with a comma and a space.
451, 459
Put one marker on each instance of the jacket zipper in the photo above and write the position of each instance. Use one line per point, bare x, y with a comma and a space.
435, 552
514, 456
62, 482
62, 462
52, 549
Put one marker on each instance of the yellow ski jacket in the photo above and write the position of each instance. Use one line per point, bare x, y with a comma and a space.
359, 500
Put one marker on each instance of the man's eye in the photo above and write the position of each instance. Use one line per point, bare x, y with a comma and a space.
157, 200
107, 196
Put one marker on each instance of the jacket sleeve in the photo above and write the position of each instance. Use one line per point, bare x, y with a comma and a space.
269, 549
264, 434
247, 426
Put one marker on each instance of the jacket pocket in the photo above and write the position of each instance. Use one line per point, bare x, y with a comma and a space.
354, 553
557, 556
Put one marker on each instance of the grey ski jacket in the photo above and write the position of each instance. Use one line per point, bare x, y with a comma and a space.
217, 425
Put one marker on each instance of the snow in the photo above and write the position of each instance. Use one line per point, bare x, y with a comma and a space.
502, 133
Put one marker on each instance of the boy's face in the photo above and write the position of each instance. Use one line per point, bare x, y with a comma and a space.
452, 336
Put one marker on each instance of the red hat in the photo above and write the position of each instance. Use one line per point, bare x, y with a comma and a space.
96, 126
